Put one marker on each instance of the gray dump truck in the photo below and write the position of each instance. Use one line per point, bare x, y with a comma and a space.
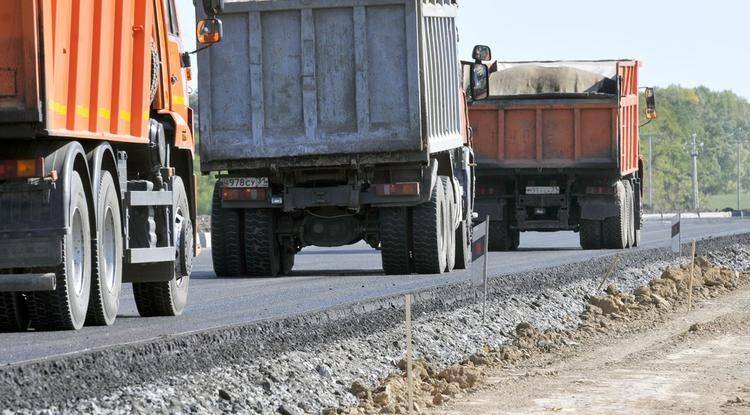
332, 122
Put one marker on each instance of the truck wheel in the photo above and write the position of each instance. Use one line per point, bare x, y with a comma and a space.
227, 247
14, 315
630, 205
65, 308
500, 238
395, 241
169, 298
428, 227
637, 222
262, 250
591, 234
615, 229
106, 281
450, 230
463, 245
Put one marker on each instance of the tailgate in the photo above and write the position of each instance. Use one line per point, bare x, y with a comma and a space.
310, 78
562, 133
19, 78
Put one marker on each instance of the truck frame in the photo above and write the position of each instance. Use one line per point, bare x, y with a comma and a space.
331, 122
551, 158
96, 162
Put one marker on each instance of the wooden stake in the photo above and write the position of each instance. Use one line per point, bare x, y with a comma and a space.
611, 270
692, 273
410, 386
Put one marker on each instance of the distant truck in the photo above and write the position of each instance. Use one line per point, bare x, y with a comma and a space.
96, 160
335, 122
557, 149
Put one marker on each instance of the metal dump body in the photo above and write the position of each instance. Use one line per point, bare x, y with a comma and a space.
76, 68
316, 79
576, 129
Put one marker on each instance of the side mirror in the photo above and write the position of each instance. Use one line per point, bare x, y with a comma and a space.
480, 82
481, 53
209, 31
213, 7
650, 104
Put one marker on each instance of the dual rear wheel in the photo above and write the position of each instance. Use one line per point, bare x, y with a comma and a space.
621, 231
425, 239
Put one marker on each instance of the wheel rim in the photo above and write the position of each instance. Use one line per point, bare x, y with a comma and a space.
109, 250
79, 252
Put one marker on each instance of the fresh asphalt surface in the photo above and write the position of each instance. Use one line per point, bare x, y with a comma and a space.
321, 278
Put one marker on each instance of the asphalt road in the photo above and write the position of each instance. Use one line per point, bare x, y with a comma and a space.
322, 278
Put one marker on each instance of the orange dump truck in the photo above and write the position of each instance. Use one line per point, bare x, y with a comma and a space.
557, 149
96, 161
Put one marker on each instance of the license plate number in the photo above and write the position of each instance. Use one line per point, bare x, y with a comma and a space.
243, 182
543, 190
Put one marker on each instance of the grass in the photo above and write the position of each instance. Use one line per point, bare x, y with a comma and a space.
720, 202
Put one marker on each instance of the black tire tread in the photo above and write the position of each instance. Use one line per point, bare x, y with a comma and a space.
95, 315
590, 234
426, 237
262, 251
14, 315
227, 245
49, 310
612, 228
395, 241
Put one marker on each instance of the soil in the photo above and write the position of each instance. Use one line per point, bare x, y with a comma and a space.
663, 361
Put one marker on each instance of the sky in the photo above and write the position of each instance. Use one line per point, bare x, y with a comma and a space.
685, 42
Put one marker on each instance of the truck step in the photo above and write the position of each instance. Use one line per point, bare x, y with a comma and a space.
150, 255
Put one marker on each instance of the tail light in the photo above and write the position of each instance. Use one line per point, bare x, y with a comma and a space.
485, 190
243, 194
600, 190
21, 169
397, 189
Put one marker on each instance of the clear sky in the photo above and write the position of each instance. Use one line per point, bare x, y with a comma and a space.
686, 42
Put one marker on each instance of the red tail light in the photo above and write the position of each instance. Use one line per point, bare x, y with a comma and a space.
600, 190
19, 169
397, 189
259, 194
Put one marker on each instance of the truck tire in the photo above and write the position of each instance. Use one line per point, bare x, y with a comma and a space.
637, 221
395, 241
630, 205
591, 234
66, 307
14, 315
169, 298
463, 245
500, 238
227, 247
262, 250
106, 276
615, 229
450, 230
428, 227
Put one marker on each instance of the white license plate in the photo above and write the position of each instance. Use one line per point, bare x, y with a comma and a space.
242, 182
543, 190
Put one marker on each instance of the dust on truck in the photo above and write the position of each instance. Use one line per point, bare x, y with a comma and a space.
557, 148
96, 153
332, 122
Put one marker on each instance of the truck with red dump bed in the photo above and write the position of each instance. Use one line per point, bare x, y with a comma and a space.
557, 149
96, 160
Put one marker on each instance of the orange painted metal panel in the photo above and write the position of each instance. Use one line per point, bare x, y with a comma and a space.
94, 68
533, 132
19, 89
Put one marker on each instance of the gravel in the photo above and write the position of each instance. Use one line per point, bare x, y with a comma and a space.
308, 363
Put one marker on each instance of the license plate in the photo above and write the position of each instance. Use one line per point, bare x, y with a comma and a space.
543, 190
243, 182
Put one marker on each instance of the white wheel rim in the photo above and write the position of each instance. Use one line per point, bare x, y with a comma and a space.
109, 250
78, 251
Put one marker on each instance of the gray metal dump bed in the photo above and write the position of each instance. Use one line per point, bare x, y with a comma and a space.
320, 81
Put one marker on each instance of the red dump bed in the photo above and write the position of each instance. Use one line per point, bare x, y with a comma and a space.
559, 115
